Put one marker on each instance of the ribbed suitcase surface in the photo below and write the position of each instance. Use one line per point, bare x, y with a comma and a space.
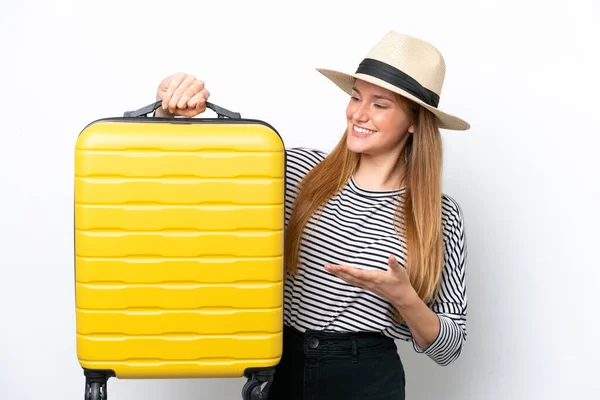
179, 247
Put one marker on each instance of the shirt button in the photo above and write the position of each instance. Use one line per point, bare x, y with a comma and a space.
313, 343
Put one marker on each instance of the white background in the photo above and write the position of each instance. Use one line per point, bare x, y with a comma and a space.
523, 73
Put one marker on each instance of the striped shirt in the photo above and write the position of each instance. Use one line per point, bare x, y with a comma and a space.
356, 228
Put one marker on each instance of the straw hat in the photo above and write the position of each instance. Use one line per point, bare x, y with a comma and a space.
408, 66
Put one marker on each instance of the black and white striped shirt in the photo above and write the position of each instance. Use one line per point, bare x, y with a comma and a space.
356, 228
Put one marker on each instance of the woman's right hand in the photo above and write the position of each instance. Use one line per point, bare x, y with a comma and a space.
181, 95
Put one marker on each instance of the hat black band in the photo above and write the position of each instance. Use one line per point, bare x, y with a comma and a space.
394, 76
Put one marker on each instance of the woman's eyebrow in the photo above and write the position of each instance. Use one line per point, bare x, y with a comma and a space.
378, 96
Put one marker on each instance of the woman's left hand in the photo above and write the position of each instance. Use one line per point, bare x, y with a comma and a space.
392, 285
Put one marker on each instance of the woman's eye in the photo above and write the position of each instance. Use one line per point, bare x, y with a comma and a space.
354, 98
380, 106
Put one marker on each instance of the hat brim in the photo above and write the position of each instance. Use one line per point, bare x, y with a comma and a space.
345, 82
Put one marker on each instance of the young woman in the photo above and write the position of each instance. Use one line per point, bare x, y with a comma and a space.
375, 251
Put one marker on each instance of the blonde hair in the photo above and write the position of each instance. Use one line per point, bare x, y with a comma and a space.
421, 209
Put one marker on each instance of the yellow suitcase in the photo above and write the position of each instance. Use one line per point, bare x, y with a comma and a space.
179, 236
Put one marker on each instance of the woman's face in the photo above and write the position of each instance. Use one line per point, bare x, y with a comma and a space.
377, 124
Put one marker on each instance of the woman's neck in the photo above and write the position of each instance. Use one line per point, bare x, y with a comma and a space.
379, 173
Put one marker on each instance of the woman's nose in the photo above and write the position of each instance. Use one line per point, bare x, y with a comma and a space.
360, 113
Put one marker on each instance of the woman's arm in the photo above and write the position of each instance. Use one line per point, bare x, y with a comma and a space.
423, 323
440, 330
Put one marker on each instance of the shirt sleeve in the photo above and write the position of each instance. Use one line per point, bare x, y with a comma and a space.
450, 305
299, 161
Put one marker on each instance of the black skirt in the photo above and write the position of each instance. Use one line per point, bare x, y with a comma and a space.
330, 366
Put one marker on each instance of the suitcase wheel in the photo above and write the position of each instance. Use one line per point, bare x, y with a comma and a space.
95, 391
251, 390
259, 383
96, 384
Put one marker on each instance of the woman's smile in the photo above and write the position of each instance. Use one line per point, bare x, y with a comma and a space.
361, 132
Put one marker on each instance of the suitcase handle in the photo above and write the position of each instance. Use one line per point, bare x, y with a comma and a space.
144, 111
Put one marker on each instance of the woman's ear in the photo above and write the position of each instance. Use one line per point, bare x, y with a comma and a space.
411, 129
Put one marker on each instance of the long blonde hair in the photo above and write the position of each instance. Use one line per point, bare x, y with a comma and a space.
418, 218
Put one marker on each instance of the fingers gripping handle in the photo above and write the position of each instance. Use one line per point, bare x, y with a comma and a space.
144, 111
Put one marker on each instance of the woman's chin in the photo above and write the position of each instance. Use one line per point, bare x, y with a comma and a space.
357, 145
